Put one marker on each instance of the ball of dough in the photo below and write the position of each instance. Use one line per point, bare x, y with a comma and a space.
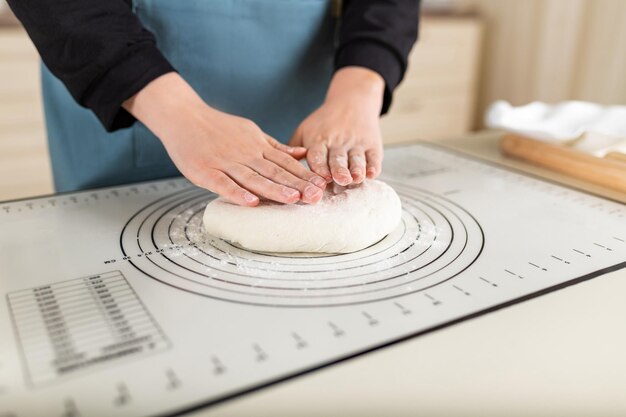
345, 220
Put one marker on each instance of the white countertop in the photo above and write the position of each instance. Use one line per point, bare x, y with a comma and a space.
555, 355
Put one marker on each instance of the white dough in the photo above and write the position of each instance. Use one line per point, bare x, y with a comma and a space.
345, 220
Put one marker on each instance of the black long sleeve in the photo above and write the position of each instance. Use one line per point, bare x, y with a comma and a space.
378, 34
98, 48
102, 53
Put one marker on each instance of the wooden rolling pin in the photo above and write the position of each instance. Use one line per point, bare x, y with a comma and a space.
607, 173
616, 156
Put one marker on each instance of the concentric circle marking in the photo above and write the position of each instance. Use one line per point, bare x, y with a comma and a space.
435, 241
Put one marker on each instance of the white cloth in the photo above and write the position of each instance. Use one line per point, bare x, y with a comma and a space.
585, 126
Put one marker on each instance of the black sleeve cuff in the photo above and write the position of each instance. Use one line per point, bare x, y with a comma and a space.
139, 67
377, 57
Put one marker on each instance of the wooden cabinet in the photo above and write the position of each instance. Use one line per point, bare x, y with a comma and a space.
24, 165
438, 95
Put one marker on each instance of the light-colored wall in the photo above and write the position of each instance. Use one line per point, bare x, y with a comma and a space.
552, 50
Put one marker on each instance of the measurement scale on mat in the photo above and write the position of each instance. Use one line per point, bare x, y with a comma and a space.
116, 303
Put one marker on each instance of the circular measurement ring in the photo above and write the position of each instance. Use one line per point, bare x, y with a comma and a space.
435, 241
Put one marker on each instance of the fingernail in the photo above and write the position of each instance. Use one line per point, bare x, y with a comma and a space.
319, 181
312, 192
344, 176
325, 173
250, 198
371, 171
342, 180
290, 192
292, 149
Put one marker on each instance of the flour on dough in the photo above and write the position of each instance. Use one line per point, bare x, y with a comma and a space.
345, 220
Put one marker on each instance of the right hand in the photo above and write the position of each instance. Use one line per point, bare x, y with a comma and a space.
226, 154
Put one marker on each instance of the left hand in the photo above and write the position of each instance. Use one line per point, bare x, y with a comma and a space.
343, 135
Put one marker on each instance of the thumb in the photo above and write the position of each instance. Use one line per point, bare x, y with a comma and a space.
297, 152
296, 141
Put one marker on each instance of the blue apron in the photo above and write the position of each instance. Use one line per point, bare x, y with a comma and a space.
266, 60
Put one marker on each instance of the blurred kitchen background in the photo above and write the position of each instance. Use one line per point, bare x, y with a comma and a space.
470, 53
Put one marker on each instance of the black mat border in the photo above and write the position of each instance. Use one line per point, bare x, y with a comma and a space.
574, 281
346, 358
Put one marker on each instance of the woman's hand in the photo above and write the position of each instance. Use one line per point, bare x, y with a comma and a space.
343, 136
226, 154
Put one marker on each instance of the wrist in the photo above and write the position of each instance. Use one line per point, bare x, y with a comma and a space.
166, 104
357, 86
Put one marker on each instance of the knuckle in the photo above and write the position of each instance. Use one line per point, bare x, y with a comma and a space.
276, 144
318, 148
316, 152
275, 190
373, 158
213, 175
197, 166
217, 181
251, 176
282, 158
223, 182
249, 124
290, 165
196, 177
321, 170
340, 161
310, 176
316, 159
357, 158
339, 150
268, 170
232, 190
195, 181
300, 184
295, 182
357, 150
276, 171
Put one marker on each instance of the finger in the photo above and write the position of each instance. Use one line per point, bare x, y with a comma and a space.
338, 161
356, 162
297, 152
374, 162
295, 167
309, 193
317, 158
223, 185
261, 186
